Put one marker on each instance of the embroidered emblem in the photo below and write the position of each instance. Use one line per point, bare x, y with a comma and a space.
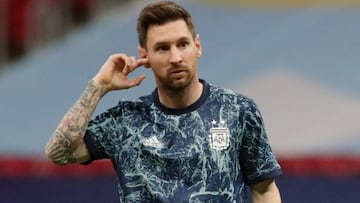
152, 142
219, 137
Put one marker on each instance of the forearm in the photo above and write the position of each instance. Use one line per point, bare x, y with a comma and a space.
271, 197
266, 192
68, 135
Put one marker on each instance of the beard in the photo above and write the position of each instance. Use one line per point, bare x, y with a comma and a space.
176, 82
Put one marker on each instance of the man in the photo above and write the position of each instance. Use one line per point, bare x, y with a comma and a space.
188, 141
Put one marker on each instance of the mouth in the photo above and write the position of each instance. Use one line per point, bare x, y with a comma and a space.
177, 72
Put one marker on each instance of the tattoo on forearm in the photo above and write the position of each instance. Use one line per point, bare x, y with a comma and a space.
60, 149
69, 133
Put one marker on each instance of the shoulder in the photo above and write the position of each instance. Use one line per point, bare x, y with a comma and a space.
127, 107
228, 96
141, 104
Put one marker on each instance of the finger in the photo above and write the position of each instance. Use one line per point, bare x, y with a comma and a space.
132, 61
125, 69
143, 62
119, 61
131, 64
136, 81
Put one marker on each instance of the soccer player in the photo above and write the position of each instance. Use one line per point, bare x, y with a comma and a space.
187, 141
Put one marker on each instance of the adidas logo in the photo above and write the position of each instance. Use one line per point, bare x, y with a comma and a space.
153, 142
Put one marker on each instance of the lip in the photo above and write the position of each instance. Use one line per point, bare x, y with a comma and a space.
177, 70
177, 73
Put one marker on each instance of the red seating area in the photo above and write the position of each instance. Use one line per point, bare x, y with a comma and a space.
25, 24
332, 166
18, 12
23, 21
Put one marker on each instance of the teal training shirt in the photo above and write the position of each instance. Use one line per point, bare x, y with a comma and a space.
206, 152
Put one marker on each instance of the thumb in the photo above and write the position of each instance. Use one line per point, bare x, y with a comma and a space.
136, 81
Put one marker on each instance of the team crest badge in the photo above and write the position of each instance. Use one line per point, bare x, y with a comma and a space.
219, 137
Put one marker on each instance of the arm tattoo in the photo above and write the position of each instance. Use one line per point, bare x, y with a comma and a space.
69, 133
60, 149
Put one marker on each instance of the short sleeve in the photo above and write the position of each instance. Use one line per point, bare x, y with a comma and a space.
100, 133
256, 157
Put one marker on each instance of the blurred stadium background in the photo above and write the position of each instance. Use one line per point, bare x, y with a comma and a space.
298, 59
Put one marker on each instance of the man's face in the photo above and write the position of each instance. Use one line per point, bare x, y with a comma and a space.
173, 54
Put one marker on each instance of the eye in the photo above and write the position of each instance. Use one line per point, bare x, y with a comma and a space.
162, 48
183, 44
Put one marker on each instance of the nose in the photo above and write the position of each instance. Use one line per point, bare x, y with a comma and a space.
175, 57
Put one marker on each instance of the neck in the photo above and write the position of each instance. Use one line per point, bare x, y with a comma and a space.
182, 97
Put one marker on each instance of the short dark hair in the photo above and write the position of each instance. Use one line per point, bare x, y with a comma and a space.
160, 13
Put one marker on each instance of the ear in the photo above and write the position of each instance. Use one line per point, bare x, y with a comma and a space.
143, 54
198, 45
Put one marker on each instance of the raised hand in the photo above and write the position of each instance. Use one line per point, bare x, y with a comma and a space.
113, 75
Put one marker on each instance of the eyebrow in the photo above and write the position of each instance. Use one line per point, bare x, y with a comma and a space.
161, 43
